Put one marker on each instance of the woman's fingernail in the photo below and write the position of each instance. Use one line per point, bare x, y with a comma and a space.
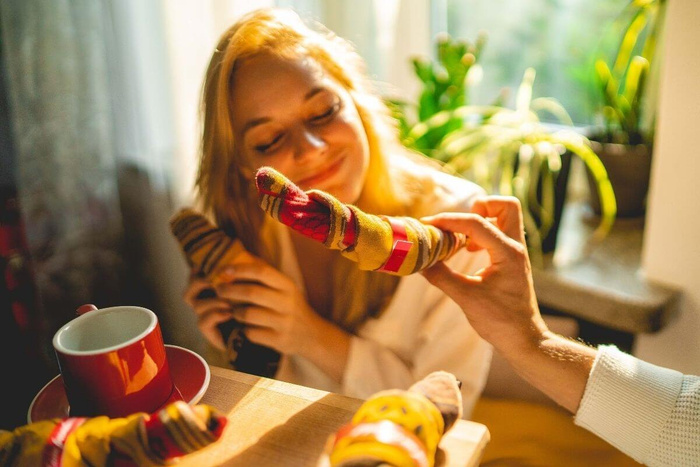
227, 274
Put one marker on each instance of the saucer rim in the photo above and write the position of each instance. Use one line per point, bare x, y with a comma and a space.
195, 399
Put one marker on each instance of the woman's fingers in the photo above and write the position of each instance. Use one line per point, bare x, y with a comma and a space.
205, 306
207, 323
196, 286
256, 316
252, 293
262, 336
261, 272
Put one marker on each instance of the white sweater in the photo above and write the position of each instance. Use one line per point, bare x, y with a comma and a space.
648, 412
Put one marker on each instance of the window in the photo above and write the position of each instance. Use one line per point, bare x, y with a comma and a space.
556, 37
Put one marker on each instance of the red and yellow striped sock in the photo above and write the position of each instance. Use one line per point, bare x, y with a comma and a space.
396, 245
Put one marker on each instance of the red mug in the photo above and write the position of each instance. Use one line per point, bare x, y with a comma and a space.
113, 363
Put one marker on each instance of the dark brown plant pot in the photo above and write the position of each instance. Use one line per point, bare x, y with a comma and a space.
628, 168
549, 241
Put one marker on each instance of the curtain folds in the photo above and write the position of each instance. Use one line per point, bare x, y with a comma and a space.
58, 84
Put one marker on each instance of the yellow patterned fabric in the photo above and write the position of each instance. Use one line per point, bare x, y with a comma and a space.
399, 427
139, 439
206, 247
395, 245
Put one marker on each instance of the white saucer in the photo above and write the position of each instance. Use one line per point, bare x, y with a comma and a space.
189, 371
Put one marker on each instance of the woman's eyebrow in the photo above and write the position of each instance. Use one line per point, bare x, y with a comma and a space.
259, 121
255, 122
313, 92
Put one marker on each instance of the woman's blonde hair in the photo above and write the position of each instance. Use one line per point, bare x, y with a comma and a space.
227, 193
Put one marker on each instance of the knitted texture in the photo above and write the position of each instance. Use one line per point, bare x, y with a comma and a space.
139, 439
208, 251
399, 427
207, 248
396, 245
648, 412
678, 443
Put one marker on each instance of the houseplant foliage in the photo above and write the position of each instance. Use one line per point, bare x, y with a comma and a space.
445, 86
507, 151
626, 74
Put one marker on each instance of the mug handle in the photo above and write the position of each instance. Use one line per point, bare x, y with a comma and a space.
82, 309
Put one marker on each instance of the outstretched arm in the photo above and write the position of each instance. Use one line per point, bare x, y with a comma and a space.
501, 306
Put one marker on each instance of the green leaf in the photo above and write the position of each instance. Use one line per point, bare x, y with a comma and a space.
576, 144
635, 75
524, 96
423, 69
548, 104
427, 106
629, 41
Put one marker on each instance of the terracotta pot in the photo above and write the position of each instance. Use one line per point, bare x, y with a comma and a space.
628, 169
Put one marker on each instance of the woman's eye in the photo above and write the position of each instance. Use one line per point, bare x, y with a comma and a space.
330, 112
263, 148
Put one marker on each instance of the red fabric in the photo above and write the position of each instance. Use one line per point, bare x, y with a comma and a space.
401, 246
53, 451
306, 215
159, 440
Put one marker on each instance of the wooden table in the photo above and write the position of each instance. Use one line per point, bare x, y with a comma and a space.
272, 423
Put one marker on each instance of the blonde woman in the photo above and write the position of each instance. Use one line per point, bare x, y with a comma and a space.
281, 93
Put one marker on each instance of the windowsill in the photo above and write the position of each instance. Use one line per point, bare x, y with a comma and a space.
602, 283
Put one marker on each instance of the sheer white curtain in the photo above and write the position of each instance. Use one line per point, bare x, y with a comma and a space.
192, 28
387, 33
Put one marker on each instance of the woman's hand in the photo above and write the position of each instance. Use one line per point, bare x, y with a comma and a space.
210, 309
274, 311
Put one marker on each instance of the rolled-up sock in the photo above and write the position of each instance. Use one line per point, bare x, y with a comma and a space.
397, 427
139, 439
396, 245
208, 250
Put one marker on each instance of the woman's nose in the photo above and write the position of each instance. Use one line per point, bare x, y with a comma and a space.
308, 144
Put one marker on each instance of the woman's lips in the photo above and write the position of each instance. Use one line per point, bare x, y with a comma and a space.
315, 180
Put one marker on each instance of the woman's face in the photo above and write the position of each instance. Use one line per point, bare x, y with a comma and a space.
291, 115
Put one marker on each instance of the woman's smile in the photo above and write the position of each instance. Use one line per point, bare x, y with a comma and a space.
316, 180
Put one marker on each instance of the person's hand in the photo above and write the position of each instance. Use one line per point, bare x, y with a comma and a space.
210, 309
274, 311
499, 301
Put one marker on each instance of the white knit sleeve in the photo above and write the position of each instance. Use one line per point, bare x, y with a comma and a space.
646, 411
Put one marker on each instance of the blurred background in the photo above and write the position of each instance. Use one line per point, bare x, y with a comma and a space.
99, 139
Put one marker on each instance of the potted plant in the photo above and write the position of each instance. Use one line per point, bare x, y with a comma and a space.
445, 86
627, 81
507, 151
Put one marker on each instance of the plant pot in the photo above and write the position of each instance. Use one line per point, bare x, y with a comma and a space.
549, 242
628, 169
